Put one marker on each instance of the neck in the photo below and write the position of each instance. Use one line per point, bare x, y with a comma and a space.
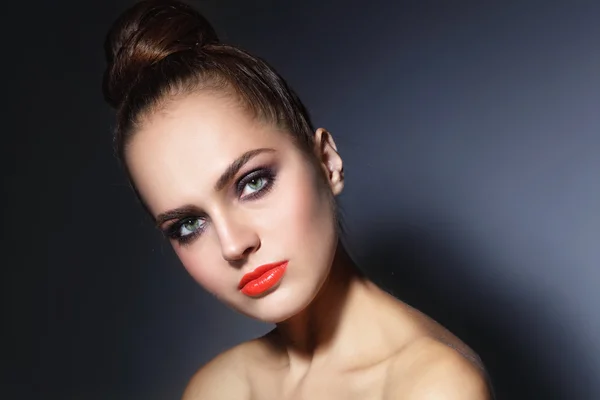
333, 317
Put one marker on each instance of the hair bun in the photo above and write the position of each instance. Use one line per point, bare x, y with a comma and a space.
144, 35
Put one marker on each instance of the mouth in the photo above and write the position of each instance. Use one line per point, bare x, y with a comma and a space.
263, 278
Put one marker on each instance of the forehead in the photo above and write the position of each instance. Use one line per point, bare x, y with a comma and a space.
180, 151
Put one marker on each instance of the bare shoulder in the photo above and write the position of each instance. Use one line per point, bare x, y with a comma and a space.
428, 369
228, 376
224, 377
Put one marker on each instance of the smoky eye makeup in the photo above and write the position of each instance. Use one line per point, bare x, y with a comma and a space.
252, 185
255, 183
185, 229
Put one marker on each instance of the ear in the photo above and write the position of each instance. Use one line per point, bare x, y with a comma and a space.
330, 160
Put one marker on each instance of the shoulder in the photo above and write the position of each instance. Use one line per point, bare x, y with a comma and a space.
224, 377
227, 375
430, 370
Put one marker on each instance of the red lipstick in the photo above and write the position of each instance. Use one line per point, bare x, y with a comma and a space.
263, 278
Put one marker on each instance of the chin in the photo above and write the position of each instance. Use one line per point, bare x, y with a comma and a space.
278, 306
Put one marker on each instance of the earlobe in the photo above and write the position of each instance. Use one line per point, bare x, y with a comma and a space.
330, 159
337, 181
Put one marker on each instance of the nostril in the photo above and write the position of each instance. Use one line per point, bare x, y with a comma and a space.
237, 239
236, 253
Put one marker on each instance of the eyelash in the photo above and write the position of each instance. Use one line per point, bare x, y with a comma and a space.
173, 231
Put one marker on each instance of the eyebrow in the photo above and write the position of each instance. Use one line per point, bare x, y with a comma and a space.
226, 177
235, 166
180, 212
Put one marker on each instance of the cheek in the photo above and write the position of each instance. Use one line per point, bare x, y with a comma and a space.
305, 213
205, 264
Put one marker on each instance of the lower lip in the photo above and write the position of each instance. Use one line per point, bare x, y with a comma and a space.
265, 282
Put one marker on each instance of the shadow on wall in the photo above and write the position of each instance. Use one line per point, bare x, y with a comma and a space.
431, 274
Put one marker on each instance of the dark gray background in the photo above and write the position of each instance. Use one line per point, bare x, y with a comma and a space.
471, 137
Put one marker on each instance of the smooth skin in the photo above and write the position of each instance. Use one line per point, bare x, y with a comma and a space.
337, 335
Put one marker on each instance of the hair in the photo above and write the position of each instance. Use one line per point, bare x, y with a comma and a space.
159, 49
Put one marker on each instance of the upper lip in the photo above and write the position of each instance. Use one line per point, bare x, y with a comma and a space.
258, 272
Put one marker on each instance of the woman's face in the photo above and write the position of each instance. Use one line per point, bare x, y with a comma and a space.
233, 193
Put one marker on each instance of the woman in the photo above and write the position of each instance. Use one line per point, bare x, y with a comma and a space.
223, 156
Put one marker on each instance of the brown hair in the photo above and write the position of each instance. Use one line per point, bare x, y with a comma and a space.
161, 48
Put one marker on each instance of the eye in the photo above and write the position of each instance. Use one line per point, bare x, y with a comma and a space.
190, 226
254, 185
186, 230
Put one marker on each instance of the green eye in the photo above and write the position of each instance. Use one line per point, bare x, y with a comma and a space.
254, 185
190, 226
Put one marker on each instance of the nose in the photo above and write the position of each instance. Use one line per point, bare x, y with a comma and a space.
237, 238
